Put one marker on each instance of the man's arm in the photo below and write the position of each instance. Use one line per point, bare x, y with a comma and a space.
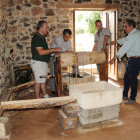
105, 41
113, 59
113, 42
95, 46
69, 52
42, 51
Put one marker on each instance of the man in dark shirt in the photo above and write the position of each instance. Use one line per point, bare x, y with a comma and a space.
40, 57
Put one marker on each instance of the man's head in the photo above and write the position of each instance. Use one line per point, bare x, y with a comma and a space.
66, 34
129, 26
98, 25
42, 28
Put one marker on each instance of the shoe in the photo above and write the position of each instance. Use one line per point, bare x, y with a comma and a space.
129, 101
53, 92
125, 97
78, 75
47, 96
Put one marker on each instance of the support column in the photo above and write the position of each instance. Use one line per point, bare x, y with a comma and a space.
104, 68
58, 77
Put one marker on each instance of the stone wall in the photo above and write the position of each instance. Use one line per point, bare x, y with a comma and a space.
4, 66
23, 16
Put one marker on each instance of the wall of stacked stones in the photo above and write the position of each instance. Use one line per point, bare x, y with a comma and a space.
4, 65
23, 16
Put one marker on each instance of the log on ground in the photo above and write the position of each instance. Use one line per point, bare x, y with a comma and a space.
37, 103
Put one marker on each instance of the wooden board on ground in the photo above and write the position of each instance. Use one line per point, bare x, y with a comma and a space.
67, 122
37, 103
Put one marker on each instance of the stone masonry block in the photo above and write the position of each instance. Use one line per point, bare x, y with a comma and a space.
4, 127
109, 117
111, 109
91, 116
71, 110
90, 111
95, 94
81, 120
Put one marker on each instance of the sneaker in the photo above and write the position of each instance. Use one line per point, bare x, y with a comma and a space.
129, 101
47, 96
53, 93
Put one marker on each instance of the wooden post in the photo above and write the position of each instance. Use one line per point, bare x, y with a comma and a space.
104, 68
58, 77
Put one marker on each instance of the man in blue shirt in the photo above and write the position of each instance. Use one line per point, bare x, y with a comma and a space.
130, 46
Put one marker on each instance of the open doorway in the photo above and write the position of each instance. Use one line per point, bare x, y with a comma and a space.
84, 34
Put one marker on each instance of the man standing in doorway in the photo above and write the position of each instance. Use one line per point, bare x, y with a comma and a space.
130, 46
40, 57
62, 41
101, 39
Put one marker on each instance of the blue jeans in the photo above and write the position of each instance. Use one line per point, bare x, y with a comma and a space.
130, 78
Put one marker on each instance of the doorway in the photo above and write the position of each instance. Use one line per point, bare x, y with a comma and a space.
84, 36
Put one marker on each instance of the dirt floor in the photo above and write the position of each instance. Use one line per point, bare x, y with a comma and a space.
42, 124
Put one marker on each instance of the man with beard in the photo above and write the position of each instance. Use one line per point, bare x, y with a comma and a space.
40, 57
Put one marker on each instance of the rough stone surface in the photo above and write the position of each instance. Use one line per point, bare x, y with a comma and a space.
95, 94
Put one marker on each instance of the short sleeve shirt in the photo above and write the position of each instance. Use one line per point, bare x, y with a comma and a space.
100, 38
39, 41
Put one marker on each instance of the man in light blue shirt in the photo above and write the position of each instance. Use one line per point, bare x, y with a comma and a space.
131, 46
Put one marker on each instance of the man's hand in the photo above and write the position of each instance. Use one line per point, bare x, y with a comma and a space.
111, 61
113, 42
58, 50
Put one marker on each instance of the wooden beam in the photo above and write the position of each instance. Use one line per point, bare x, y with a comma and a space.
58, 76
68, 59
104, 68
22, 86
37, 103
88, 6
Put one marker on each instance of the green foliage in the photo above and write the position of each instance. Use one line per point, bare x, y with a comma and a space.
80, 17
79, 31
91, 21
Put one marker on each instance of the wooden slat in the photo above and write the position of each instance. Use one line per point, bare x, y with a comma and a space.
22, 86
88, 6
58, 77
104, 68
37, 103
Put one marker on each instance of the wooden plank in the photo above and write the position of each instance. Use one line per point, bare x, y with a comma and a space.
67, 122
88, 6
46, 76
58, 77
104, 68
37, 103
22, 86
1, 111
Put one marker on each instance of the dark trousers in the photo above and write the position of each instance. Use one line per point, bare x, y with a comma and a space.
130, 77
